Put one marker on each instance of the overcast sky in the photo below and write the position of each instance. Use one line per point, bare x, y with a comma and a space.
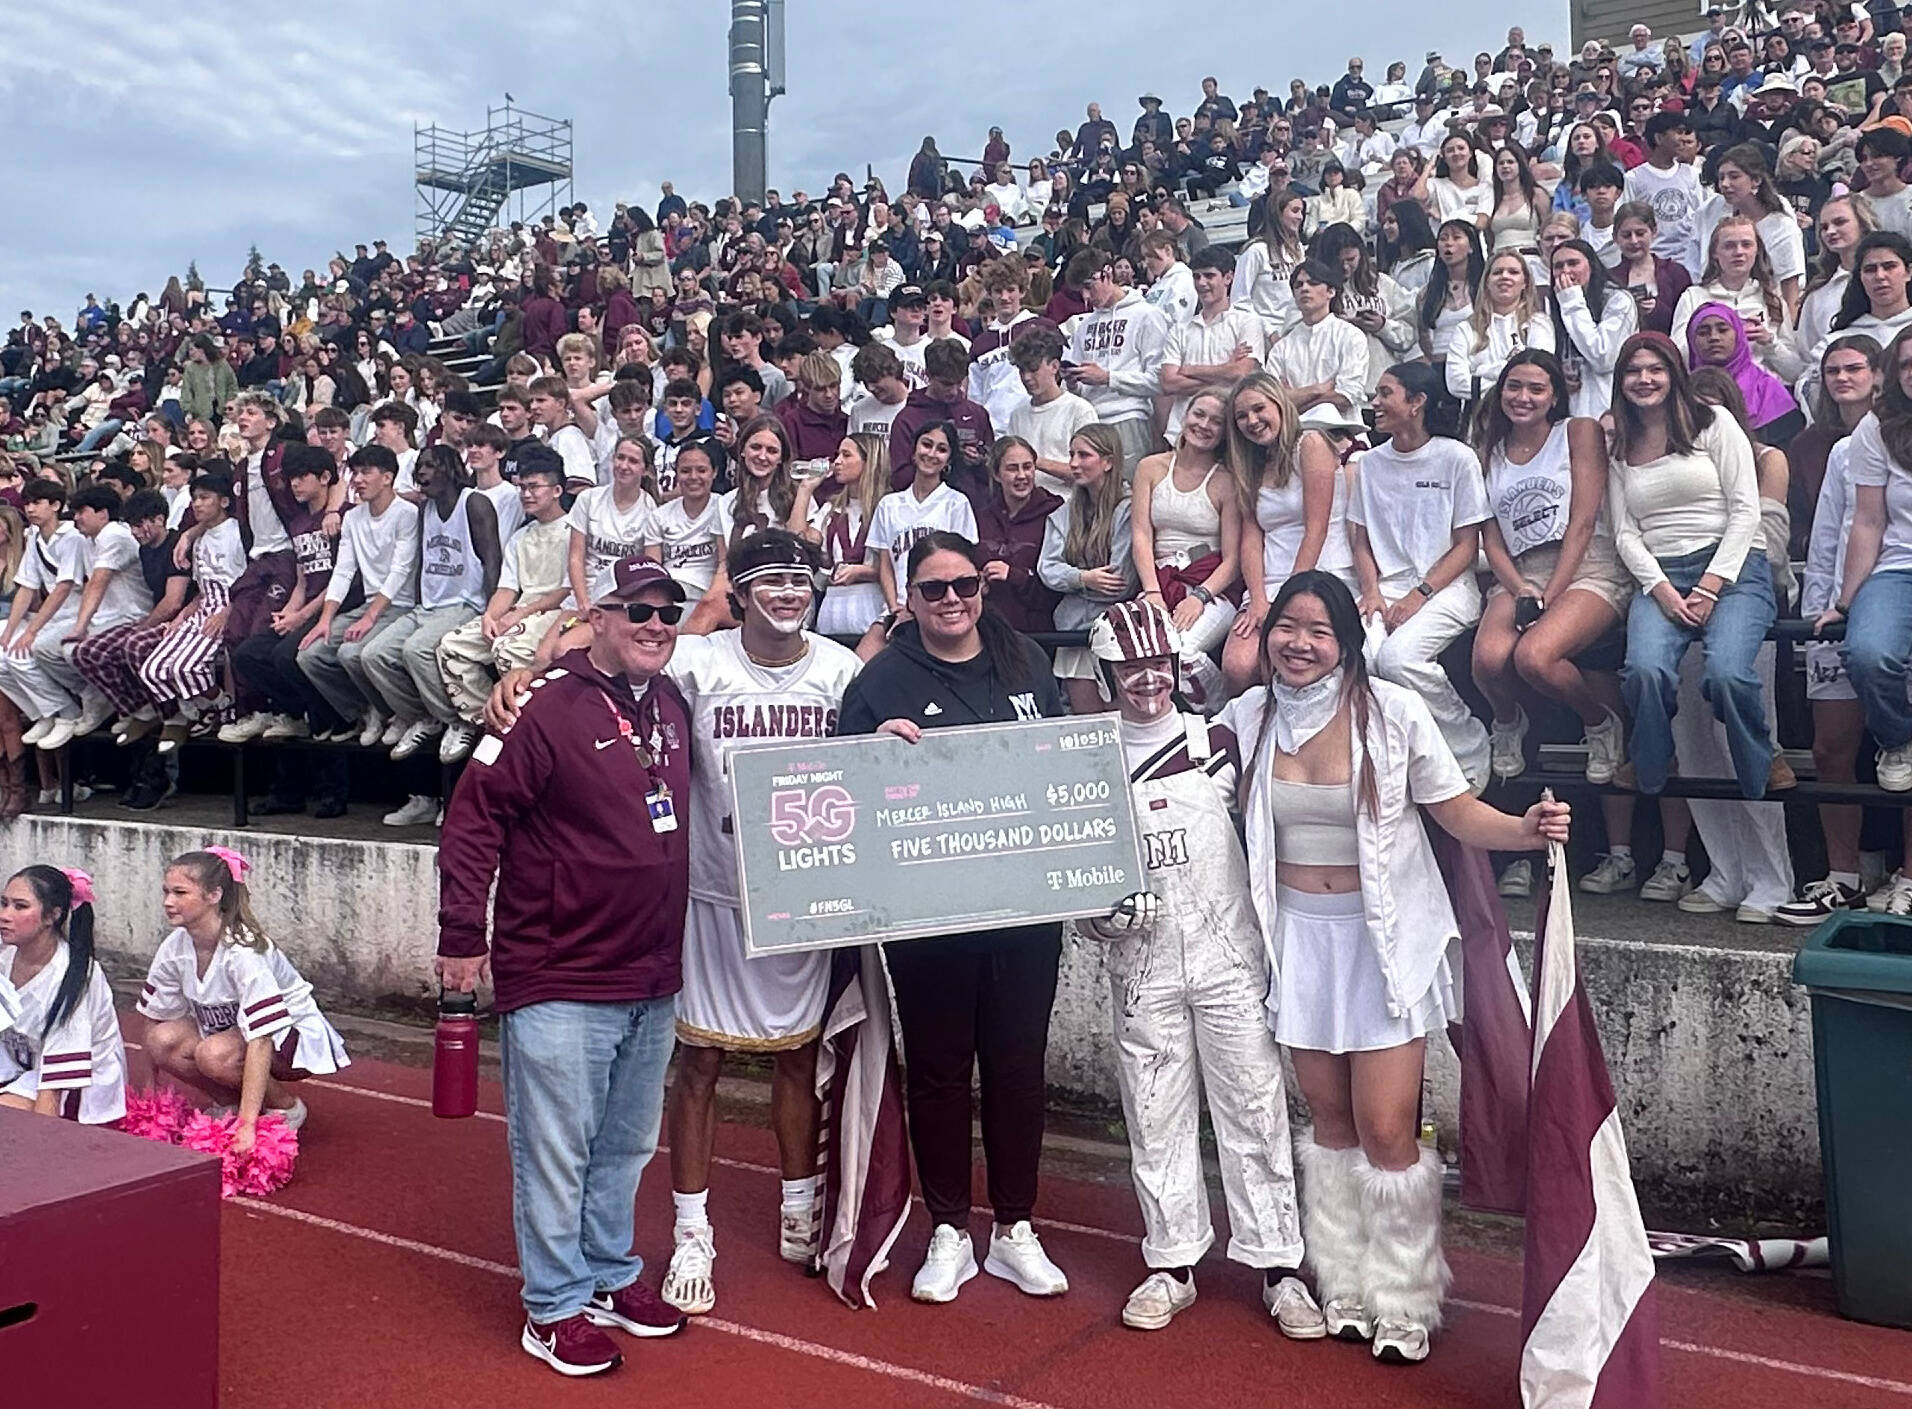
138, 139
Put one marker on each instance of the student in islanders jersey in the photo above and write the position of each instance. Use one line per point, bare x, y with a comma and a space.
762, 682
981, 998
1188, 975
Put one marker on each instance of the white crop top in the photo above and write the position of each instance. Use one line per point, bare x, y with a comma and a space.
1314, 823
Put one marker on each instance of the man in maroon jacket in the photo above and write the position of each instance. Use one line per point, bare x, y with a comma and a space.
579, 812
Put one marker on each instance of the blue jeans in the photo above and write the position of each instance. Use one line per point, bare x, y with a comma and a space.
1731, 638
100, 434
584, 1100
1878, 639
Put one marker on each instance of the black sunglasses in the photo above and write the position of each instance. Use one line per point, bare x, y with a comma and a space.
933, 588
637, 613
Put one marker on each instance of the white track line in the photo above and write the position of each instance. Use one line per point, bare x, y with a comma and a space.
1712, 1352
979, 1394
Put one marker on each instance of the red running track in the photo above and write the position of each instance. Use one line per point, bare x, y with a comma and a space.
384, 1275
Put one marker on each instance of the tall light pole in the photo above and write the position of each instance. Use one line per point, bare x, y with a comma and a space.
756, 76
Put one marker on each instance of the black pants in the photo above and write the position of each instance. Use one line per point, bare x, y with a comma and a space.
268, 664
973, 1001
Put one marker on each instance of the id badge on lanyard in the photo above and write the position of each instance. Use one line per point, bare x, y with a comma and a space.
659, 802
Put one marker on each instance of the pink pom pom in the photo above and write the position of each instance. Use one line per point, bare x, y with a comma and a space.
263, 1170
155, 1115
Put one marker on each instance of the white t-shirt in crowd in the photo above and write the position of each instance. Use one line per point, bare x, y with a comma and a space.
1411, 504
1676, 198
869, 416
380, 551
610, 532
127, 597
1869, 463
509, 508
691, 543
1050, 428
901, 519
574, 448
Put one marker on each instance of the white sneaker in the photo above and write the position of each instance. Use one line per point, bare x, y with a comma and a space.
60, 735
1702, 902
415, 737
800, 1234
1606, 748
417, 811
244, 731
1818, 901
1669, 882
1895, 769
93, 713
458, 741
1155, 1303
1898, 898
394, 731
1507, 744
1293, 1306
1517, 881
1347, 1319
286, 726
1017, 1256
1613, 873
38, 731
374, 729
1399, 1341
950, 1262
1748, 914
293, 1115
689, 1285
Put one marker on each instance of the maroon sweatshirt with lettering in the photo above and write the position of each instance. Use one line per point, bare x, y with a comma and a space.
591, 898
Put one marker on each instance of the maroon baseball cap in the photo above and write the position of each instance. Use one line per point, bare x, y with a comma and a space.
633, 574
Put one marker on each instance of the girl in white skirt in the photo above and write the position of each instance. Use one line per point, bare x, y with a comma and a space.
840, 526
226, 1012
1357, 923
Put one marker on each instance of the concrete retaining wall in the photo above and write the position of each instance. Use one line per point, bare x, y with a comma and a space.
1711, 1049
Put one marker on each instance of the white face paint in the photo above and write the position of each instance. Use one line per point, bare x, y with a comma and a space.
1144, 690
782, 601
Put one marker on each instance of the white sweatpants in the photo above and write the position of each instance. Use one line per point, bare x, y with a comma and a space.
1188, 1018
1746, 841
44, 682
1410, 656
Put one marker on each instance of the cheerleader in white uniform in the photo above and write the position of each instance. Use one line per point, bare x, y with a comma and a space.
1357, 923
63, 1055
227, 1013
1189, 977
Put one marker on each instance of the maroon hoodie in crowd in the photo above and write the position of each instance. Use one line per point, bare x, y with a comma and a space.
972, 428
813, 434
1022, 599
545, 321
591, 898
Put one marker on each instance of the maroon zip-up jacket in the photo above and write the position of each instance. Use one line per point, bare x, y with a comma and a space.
972, 428
591, 899
1016, 539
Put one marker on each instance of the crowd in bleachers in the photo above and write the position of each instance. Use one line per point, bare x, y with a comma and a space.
1590, 356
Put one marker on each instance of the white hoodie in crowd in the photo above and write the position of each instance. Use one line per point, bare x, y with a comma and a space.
1126, 340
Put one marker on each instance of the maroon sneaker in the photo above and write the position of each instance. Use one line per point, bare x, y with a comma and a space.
636, 1310
572, 1346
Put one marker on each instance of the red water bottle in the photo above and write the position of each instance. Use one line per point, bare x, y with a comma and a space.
455, 1057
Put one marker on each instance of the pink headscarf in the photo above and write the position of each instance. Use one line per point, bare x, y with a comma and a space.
1766, 396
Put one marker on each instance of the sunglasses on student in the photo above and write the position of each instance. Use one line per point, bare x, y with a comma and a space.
933, 588
637, 613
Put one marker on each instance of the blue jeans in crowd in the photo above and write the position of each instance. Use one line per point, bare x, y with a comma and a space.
584, 1101
100, 434
1878, 640
1731, 639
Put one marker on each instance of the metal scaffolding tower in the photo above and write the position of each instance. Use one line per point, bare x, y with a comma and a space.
517, 168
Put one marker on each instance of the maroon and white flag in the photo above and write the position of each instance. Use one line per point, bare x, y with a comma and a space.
865, 1154
1589, 1318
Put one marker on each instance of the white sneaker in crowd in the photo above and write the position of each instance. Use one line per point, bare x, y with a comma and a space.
415, 737
1669, 882
37, 731
688, 1284
394, 731
286, 726
1508, 746
1517, 881
1606, 748
416, 812
1895, 769
458, 741
1293, 1306
1612, 873
373, 731
1017, 1256
1156, 1302
244, 731
950, 1262
60, 735
1400, 1341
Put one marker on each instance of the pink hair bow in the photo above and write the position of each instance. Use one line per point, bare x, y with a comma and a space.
81, 882
235, 863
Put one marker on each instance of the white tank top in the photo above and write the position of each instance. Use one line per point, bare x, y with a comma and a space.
1314, 823
1186, 522
1279, 513
451, 572
1531, 500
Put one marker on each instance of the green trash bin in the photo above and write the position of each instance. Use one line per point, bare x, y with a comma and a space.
1858, 969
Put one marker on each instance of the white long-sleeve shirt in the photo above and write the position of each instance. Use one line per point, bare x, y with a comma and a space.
1126, 339
1262, 284
1333, 350
1472, 357
1681, 504
1825, 573
381, 550
1595, 345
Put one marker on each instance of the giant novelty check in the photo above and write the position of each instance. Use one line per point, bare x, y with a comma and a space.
845, 841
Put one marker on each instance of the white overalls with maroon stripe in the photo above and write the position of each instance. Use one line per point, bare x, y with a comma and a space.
82, 1056
261, 994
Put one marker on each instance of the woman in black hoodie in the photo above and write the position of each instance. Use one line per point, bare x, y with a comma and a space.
982, 996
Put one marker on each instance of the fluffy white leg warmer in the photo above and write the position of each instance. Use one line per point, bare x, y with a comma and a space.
1404, 1274
1331, 1218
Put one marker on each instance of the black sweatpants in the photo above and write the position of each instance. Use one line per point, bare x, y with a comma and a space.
965, 1002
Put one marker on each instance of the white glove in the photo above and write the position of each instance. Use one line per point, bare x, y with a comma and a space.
1130, 914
